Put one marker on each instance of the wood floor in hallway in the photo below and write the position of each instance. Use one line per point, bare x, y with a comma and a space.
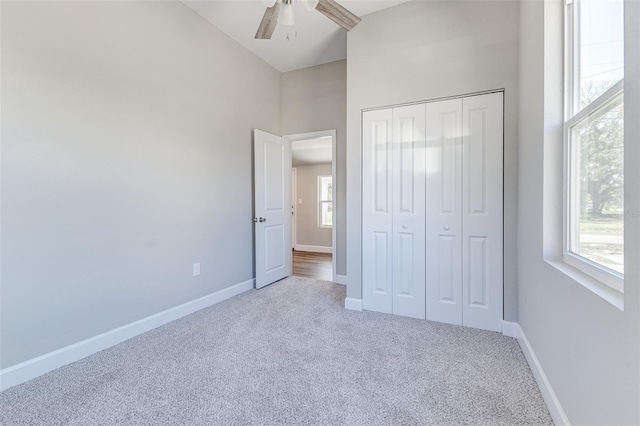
313, 265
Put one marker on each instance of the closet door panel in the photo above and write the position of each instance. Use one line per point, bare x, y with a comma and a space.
377, 204
408, 188
444, 211
482, 243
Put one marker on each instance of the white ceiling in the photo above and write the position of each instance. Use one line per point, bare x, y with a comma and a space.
319, 40
311, 151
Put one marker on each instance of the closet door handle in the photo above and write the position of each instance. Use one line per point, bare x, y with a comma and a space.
446, 227
405, 226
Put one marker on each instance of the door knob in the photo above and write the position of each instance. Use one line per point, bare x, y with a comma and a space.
262, 219
405, 226
447, 227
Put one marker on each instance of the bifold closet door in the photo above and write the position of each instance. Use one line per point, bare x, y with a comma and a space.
464, 279
482, 213
444, 212
432, 193
393, 203
408, 211
377, 199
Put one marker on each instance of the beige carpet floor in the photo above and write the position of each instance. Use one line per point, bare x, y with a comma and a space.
289, 354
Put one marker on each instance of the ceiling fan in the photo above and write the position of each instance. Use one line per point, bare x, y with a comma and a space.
281, 11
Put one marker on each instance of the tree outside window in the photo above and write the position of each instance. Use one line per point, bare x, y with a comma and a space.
594, 225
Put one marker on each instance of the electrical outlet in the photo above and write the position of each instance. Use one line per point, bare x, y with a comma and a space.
196, 269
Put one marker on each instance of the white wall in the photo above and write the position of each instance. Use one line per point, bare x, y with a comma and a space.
588, 348
307, 230
315, 99
426, 50
126, 157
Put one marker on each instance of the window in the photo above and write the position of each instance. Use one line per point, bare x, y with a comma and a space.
594, 140
325, 201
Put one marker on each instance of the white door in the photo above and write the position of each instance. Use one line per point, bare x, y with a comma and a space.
482, 215
408, 188
377, 224
272, 221
444, 212
393, 234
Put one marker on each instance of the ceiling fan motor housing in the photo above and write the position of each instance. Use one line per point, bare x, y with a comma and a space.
281, 12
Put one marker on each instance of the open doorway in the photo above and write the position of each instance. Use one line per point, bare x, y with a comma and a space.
313, 204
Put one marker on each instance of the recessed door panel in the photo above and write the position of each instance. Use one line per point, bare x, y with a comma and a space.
405, 280
477, 162
274, 177
477, 265
274, 248
381, 255
448, 124
381, 154
407, 151
447, 267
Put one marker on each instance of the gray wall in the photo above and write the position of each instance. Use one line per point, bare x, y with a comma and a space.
425, 50
307, 230
126, 157
587, 347
315, 99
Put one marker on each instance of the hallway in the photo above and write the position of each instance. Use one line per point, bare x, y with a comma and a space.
313, 265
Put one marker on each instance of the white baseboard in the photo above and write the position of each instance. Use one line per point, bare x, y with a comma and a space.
340, 279
511, 329
43, 364
550, 398
353, 304
314, 249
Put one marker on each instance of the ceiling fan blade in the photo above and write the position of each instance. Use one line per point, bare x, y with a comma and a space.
268, 23
338, 14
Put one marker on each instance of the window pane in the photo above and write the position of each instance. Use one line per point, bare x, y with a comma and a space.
597, 149
326, 188
327, 214
601, 50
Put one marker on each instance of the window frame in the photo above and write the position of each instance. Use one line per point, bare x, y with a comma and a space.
603, 275
322, 202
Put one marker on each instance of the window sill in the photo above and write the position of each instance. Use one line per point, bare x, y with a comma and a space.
615, 297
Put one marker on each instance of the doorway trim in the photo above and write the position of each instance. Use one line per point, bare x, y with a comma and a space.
336, 217
294, 204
